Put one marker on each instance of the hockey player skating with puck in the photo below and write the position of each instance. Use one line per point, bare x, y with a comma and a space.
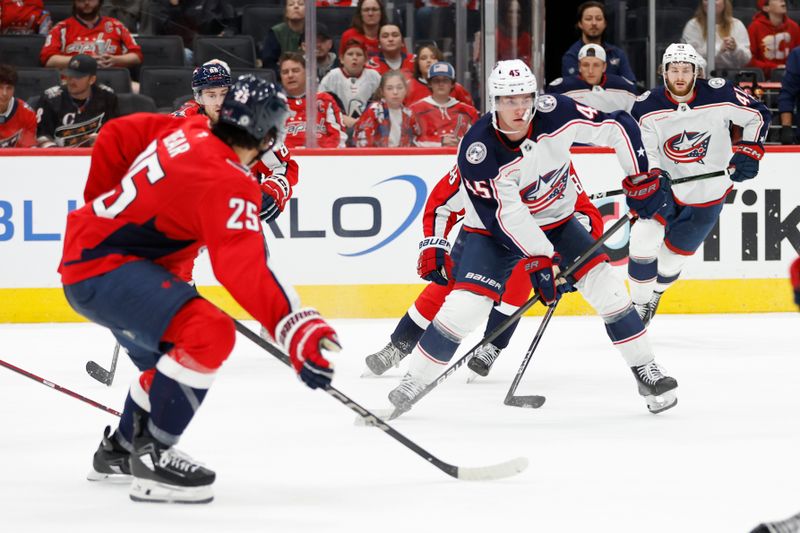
190, 187
686, 131
519, 202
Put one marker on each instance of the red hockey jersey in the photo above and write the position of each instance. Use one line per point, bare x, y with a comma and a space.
18, 129
379, 63
374, 127
436, 120
330, 129
71, 37
184, 191
417, 90
24, 17
189, 108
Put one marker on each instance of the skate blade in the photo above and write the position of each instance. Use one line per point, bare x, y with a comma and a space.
115, 479
472, 376
657, 404
147, 490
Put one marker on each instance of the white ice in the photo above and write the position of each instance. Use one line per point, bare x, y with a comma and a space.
290, 460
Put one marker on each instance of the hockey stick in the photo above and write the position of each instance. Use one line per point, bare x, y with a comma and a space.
534, 401
59, 388
481, 473
577, 263
99, 373
676, 181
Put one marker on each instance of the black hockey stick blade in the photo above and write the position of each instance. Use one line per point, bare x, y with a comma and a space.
528, 402
99, 373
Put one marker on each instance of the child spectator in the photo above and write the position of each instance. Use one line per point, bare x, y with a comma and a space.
86, 32
370, 16
732, 40
772, 35
329, 127
17, 119
285, 37
418, 88
442, 119
392, 55
24, 17
387, 122
351, 83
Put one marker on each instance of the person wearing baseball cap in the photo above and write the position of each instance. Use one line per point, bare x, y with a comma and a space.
326, 59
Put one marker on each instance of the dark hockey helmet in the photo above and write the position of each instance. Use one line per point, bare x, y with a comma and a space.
214, 73
257, 107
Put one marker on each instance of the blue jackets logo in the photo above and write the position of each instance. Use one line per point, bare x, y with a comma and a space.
687, 147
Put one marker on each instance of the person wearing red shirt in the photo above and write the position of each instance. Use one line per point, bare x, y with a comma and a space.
442, 119
86, 32
329, 126
118, 271
392, 56
387, 123
369, 18
418, 87
24, 17
17, 119
772, 35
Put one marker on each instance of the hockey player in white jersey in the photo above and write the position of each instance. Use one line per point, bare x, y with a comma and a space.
593, 86
519, 204
686, 131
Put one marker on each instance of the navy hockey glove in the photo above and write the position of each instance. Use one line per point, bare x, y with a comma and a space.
304, 334
746, 156
646, 192
543, 271
434, 263
275, 192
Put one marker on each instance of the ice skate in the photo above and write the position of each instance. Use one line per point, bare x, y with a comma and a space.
381, 361
166, 475
790, 525
658, 390
482, 360
111, 461
404, 395
647, 310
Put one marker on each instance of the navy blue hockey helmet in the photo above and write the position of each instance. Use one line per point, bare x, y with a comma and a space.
209, 75
257, 107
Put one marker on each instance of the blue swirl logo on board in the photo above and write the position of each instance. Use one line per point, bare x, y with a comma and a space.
420, 194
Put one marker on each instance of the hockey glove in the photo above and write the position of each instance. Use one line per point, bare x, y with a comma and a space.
275, 192
794, 274
646, 193
543, 271
434, 263
304, 334
746, 156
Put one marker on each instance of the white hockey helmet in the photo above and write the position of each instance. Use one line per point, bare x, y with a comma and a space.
681, 53
508, 78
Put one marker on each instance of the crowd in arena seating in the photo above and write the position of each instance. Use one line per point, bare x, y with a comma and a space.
373, 91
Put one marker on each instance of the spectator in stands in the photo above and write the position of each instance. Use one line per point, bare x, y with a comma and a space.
73, 113
24, 17
352, 84
732, 40
772, 35
17, 119
329, 128
86, 32
789, 98
442, 119
369, 18
513, 42
592, 25
387, 122
593, 86
128, 12
189, 18
285, 37
326, 59
418, 87
392, 54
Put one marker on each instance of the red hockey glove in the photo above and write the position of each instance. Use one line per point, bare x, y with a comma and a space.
646, 193
746, 156
275, 192
543, 271
434, 263
304, 334
794, 273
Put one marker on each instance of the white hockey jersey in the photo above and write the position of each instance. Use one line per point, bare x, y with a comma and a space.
514, 191
354, 93
613, 93
692, 138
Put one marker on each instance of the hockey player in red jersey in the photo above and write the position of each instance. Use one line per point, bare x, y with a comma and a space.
118, 269
444, 207
17, 119
87, 32
210, 84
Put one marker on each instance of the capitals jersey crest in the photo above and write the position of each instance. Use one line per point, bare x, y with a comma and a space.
687, 147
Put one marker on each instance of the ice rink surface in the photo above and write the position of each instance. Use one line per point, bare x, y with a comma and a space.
290, 460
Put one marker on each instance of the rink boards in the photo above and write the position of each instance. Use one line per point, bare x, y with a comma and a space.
348, 239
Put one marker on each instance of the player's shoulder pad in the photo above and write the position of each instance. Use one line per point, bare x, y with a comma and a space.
476, 152
546, 103
715, 83
53, 92
649, 101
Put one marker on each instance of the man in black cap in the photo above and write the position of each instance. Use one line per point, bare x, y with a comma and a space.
326, 59
71, 114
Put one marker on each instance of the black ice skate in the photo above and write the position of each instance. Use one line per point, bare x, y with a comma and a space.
658, 390
482, 360
389, 356
111, 461
404, 395
164, 474
648, 310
